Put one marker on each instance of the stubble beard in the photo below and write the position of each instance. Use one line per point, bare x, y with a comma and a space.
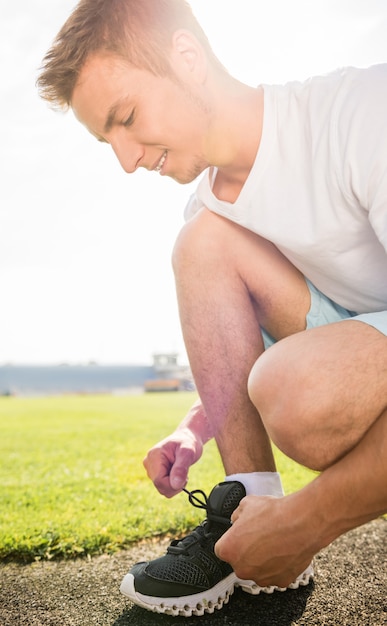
189, 178
197, 168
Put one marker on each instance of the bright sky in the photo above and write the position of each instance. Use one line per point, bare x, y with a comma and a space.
84, 248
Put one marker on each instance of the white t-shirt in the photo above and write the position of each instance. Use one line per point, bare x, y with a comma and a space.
318, 187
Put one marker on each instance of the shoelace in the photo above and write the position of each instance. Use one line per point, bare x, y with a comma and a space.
203, 504
200, 532
195, 501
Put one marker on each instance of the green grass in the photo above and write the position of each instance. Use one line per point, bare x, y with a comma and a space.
71, 476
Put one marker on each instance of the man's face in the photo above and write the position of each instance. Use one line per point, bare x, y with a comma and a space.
151, 122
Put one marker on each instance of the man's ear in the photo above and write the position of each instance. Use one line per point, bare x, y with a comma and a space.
188, 58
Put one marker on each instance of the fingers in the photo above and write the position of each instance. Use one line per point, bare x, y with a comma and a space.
178, 474
236, 514
157, 466
227, 547
178, 477
167, 465
222, 546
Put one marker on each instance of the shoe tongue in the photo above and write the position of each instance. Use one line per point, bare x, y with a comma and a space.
225, 497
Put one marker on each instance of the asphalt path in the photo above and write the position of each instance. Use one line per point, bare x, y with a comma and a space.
350, 589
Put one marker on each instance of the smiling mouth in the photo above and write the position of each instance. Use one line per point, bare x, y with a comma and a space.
160, 164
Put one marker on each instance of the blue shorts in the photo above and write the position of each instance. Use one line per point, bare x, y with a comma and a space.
324, 311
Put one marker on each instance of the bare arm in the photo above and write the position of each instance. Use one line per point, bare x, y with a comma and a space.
353, 491
196, 421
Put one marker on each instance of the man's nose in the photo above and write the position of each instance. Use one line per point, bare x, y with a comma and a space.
128, 153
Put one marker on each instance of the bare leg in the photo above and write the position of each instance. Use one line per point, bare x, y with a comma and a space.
229, 283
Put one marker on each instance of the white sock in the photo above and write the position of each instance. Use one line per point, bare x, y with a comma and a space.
260, 483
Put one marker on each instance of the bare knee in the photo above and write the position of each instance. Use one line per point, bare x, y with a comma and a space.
291, 417
267, 390
204, 242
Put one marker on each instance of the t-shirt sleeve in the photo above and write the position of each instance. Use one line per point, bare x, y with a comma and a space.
193, 205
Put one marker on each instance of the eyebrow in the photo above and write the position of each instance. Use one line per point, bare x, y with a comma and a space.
111, 117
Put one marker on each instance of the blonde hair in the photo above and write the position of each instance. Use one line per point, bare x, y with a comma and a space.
139, 31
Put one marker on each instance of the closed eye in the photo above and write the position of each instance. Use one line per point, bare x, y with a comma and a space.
129, 121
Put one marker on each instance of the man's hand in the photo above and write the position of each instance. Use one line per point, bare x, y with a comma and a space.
266, 543
168, 462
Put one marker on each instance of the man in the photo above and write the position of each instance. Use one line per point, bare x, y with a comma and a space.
281, 281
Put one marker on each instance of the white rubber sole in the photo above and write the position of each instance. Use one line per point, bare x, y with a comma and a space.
207, 602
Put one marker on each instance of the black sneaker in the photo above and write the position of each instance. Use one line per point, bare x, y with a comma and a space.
190, 579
